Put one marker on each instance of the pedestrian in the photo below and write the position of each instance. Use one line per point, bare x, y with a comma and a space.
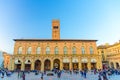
23, 76
2, 74
99, 77
18, 74
81, 72
42, 76
84, 73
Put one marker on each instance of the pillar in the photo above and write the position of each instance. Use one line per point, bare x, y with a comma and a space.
13, 65
70, 64
42, 65
22, 66
114, 65
89, 65
61, 65
32, 66
51, 65
80, 68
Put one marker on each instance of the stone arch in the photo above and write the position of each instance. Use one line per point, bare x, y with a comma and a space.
47, 64
112, 65
117, 65
18, 64
56, 63
28, 63
37, 64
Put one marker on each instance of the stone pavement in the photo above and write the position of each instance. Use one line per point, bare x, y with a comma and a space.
64, 76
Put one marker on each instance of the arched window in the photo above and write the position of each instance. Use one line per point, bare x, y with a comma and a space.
65, 50
47, 50
74, 50
38, 50
91, 50
29, 50
20, 50
56, 50
83, 50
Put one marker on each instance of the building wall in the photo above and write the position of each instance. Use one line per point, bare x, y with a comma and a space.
52, 44
114, 55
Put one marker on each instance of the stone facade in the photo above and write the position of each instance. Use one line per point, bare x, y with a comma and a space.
47, 54
111, 54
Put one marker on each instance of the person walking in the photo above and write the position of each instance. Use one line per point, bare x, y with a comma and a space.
23, 76
42, 76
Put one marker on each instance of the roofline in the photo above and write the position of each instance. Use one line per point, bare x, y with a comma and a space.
54, 40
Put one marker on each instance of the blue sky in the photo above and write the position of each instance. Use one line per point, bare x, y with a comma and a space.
79, 19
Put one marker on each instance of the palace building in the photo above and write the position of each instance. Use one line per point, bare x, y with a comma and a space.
110, 55
47, 54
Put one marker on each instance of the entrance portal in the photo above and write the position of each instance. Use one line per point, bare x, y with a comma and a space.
47, 65
84, 66
37, 65
112, 65
56, 64
18, 66
75, 66
66, 66
93, 66
27, 67
117, 65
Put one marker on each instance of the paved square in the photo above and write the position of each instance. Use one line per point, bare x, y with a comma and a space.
64, 76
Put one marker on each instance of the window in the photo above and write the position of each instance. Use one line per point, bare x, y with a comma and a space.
38, 50
74, 50
83, 50
56, 50
91, 50
55, 27
47, 50
29, 50
20, 50
65, 50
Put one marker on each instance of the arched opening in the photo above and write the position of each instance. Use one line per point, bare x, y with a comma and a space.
47, 65
27, 65
93, 66
18, 65
38, 65
56, 64
117, 65
66, 64
75, 64
112, 65
84, 64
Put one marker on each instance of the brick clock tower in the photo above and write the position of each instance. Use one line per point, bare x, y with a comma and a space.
55, 29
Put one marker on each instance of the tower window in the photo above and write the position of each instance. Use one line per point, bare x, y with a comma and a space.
55, 27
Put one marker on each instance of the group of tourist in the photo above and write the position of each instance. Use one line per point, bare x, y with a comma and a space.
102, 74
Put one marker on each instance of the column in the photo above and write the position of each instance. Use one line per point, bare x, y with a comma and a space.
22, 66
32, 66
42, 65
79, 66
89, 65
13, 65
114, 65
51, 64
61, 65
70, 64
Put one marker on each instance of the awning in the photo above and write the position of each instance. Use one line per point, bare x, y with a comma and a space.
93, 60
27, 62
17, 61
66, 60
84, 60
75, 60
